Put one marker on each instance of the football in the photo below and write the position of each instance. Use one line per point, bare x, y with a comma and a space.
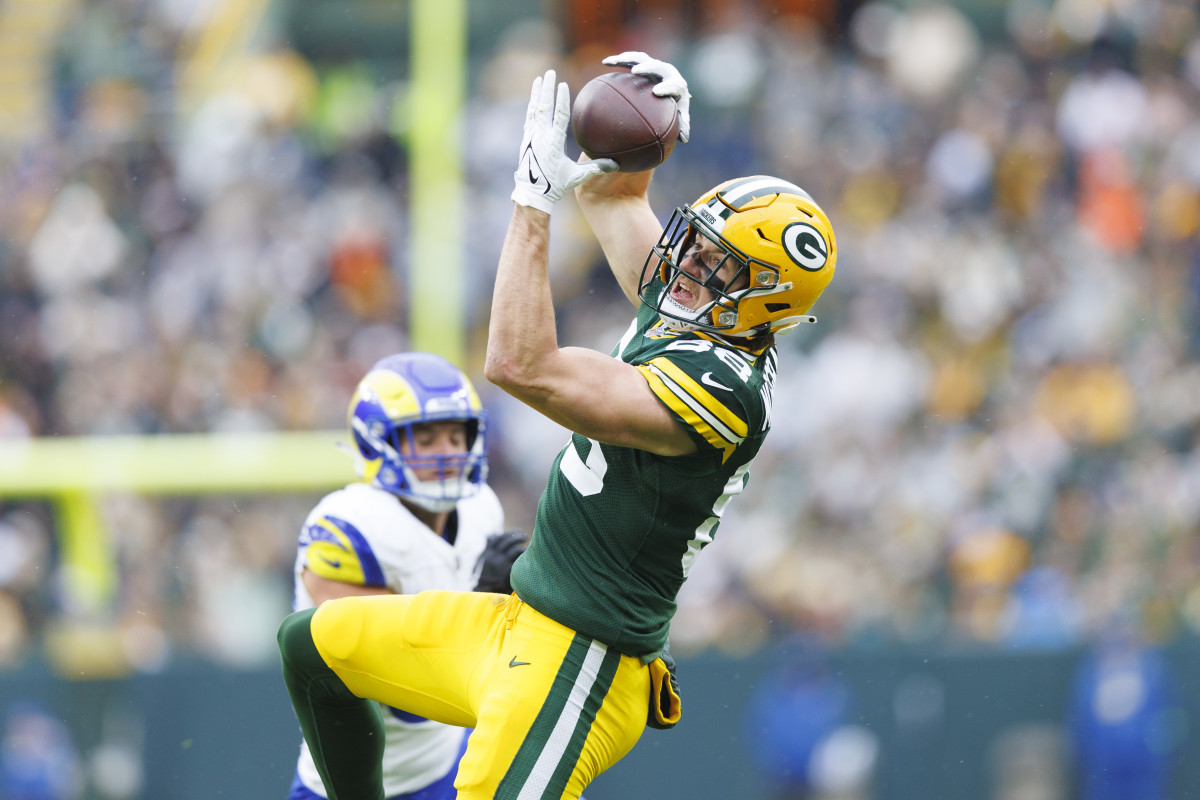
618, 116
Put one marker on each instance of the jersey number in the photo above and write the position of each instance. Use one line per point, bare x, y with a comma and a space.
586, 476
731, 359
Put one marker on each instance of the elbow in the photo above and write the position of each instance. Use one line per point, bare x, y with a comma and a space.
517, 377
516, 366
502, 372
494, 369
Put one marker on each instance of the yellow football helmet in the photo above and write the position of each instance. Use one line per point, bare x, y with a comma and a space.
781, 244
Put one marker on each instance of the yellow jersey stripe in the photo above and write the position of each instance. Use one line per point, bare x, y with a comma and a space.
335, 560
686, 412
731, 421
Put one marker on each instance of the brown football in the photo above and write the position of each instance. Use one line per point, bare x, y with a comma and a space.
618, 116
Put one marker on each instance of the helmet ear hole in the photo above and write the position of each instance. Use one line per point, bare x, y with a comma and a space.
776, 307
359, 428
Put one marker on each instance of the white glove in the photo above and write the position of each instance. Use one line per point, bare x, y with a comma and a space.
670, 83
544, 172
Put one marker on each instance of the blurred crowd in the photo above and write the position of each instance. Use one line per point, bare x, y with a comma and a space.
988, 439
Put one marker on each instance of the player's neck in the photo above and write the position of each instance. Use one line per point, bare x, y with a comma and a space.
434, 520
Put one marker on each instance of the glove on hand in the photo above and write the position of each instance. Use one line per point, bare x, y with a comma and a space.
544, 172
666, 707
670, 83
496, 560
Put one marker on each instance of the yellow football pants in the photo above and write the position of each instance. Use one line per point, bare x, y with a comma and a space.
551, 708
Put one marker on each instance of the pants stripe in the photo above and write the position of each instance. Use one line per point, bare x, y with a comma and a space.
556, 737
556, 699
599, 690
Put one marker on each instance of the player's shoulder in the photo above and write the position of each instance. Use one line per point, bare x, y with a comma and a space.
479, 515
484, 502
358, 500
725, 367
348, 535
722, 389
362, 511
485, 496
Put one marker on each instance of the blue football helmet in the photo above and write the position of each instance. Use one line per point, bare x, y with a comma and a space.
408, 389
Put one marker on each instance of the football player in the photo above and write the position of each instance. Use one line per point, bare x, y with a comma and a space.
561, 678
421, 518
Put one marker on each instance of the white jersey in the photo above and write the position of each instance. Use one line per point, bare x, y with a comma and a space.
365, 536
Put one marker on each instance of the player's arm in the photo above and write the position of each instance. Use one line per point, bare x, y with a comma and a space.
338, 560
588, 392
616, 205
618, 210
321, 589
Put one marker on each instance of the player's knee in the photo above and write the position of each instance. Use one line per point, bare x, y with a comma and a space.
339, 627
295, 639
304, 669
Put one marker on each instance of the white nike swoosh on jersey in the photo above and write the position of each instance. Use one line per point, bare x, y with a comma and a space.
707, 378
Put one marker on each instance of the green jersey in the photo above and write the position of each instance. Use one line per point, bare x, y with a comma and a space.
618, 529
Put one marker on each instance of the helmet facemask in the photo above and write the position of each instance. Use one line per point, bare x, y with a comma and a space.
390, 461
720, 314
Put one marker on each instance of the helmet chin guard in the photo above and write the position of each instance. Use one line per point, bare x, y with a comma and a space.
678, 316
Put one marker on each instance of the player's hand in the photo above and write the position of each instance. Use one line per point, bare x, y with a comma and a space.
544, 172
670, 83
666, 706
496, 560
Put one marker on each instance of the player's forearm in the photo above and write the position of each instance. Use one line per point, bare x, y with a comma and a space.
521, 332
614, 185
321, 589
619, 213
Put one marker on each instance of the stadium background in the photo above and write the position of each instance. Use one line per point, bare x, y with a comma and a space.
216, 214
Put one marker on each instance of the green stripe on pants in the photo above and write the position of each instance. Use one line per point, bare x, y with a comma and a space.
604, 679
553, 740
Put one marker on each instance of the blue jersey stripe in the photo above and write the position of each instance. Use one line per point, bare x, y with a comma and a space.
372, 572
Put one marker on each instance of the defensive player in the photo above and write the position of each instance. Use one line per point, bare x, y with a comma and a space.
561, 678
420, 519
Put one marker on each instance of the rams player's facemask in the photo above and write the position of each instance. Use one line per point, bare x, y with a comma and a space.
769, 254
407, 390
